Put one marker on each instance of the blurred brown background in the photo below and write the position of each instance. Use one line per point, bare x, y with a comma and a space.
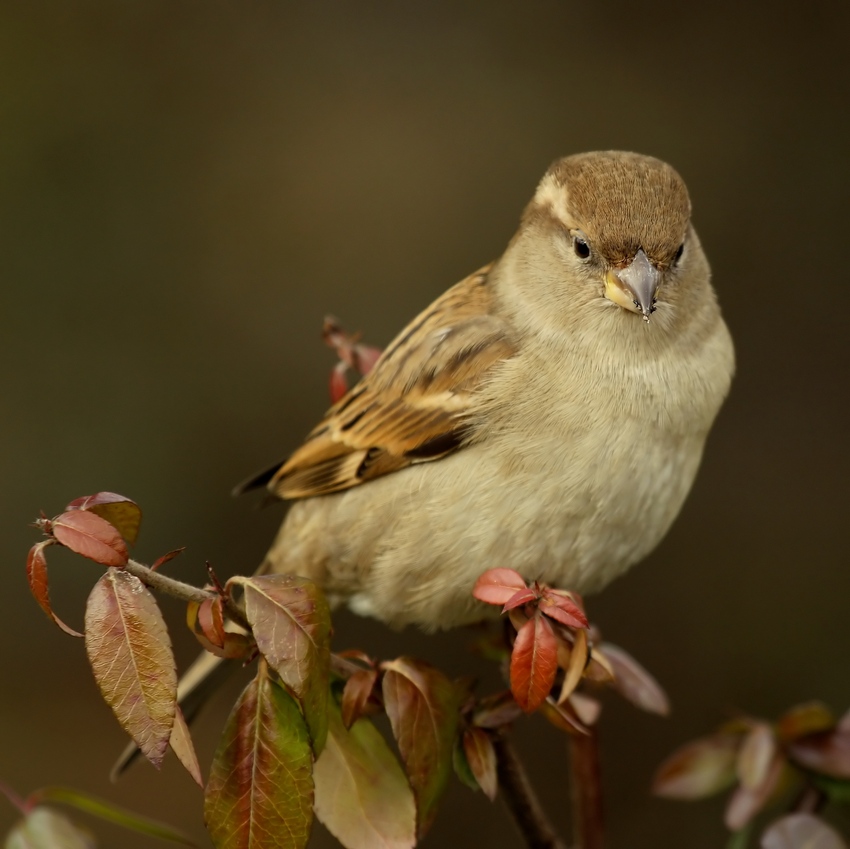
186, 188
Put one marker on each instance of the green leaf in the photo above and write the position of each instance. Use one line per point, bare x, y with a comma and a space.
362, 794
43, 828
291, 623
111, 813
260, 791
130, 655
422, 706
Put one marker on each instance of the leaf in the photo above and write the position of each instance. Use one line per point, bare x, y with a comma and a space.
291, 623
756, 755
519, 598
481, 757
121, 512
422, 706
228, 644
586, 708
634, 683
44, 828
182, 746
130, 654
801, 831
362, 794
37, 578
260, 791
697, 769
166, 558
90, 536
561, 606
575, 668
826, 753
111, 813
496, 710
355, 695
801, 720
534, 662
563, 717
746, 802
497, 586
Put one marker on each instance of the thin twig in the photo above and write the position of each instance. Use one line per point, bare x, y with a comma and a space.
183, 591
586, 790
520, 797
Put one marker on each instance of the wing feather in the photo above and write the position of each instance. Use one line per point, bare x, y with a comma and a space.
413, 406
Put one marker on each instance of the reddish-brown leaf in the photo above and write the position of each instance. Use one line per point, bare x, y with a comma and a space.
534, 662
560, 605
130, 654
182, 746
422, 706
634, 683
211, 620
827, 753
563, 717
496, 710
291, 623
498, 586
166, 558
575, 667
121, 512
355, 695
362, 794
87, 534
801, 831
37, 577
801, 720
260, 790
757, 753
230, 644
519, 598
481, 757
698, 769
746, 802
44, 828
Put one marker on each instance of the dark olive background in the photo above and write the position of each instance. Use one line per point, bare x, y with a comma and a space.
186, 188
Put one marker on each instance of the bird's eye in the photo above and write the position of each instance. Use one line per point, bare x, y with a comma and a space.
581, 247
679, 253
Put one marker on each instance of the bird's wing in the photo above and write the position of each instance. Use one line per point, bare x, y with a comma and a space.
412, 407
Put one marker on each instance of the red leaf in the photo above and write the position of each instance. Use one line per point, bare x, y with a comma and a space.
228, 644
561, 606
746, 802
634, 683
130, 655
481, 757
698, 769
166, 558
801, 831
496, 711
520, 597
37, 577
534, 662
355, 695
121, 512
362, 794
497, 586
827, 753
260, 790
90, 536
211, 621
291, 623
422, 706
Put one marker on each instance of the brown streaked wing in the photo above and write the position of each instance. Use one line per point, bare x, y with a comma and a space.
411, 407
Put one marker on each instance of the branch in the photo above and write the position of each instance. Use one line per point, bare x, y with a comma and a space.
183, 591
586, 787
520, 797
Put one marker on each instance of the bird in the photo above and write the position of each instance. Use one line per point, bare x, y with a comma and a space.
548, 413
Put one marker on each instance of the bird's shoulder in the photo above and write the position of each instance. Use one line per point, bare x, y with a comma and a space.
413, 406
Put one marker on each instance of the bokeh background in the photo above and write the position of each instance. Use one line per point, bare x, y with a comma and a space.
186, 188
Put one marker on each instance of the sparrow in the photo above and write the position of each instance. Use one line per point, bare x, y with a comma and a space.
548, 413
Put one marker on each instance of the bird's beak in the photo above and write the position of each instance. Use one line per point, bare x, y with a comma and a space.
633, 287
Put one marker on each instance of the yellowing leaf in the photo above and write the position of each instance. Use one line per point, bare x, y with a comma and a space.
182, 746
756, 755
291, 623
422, 706
130, 654
90, 536
362, 794
44, 828
575, 667
260, 791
